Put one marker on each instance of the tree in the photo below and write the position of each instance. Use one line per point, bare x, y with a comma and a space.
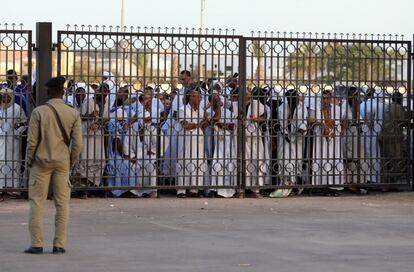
257, 52
141, 60
302, 64
340, 62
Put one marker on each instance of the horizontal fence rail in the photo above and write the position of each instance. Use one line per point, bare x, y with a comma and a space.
214, 112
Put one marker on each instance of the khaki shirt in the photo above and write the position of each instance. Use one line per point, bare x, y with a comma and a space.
46, 145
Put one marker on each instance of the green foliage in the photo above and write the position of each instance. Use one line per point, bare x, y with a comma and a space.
341, 62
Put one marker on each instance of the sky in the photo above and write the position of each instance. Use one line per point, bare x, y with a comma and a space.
340, 16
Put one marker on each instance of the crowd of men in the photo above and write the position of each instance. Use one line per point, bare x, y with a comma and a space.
14, 107
190, 137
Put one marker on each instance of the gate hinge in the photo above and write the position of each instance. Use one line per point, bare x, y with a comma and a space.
34, 48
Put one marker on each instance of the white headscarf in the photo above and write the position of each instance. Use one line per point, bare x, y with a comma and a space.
109, 81
9, 92
217, 83
80, 85
112, 87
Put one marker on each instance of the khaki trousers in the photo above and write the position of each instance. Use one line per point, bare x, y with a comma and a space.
39, 180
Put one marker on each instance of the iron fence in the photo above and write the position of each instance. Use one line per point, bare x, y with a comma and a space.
193, 110
15, 104
336, 105
142, 106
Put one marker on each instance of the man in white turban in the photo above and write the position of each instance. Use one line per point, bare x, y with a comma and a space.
12, 124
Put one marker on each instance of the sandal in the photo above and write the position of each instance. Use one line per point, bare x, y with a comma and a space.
181, 195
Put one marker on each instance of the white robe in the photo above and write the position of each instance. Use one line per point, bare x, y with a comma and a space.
353, 153
145, 166
225, 100
327, 159
224, 164
157, 107
235, 108
256, 164
68, 98
171, 129
113, 89
290, 144
207, 132
373, 114
92, 159
312, 102
106, 110
10, 145
191, 167
267, 147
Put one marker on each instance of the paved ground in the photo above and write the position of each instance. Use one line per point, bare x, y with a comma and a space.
369, 233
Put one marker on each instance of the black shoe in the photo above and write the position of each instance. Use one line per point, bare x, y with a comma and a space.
58, 250
34, 250
181, 195
129, 194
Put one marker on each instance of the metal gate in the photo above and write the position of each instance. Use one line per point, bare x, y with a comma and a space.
15, 103
332, 109
304, 110
149, 72
185, 109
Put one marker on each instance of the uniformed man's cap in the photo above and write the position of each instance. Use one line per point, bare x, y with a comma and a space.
56, 82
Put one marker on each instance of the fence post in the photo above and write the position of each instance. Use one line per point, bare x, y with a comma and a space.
241, 128
43, 60
411, 114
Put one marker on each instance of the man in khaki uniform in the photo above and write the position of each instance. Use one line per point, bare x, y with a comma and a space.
52, 128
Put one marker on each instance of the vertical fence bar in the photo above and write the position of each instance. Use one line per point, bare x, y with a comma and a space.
410, 135
43, 59
241, 129
29, 83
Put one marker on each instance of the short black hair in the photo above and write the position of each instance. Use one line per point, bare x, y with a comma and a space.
186, 72
192, 87
202, 85
80, 89
291, 93
370, 92
397, 97
11, 72
104, 86
124, 89
25, 78
188, 90
326, 93
56, 82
